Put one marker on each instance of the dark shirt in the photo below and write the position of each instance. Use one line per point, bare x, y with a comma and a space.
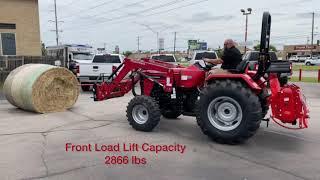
231, 58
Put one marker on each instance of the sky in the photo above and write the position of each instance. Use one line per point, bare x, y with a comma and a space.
119, 22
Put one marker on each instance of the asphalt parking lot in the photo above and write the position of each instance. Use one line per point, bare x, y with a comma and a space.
32, 146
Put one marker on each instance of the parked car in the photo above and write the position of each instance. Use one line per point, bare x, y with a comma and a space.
101, 67
294, 58
303, 58
164, 57
253, 57
313, 61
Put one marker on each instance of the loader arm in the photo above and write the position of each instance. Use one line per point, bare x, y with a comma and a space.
118, 84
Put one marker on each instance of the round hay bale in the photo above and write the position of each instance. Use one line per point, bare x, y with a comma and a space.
41, 88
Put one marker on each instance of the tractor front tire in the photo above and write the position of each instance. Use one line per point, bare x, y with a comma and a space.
143, 113
228, 112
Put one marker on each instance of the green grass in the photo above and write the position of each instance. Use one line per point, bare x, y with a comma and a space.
304, 79
305, 68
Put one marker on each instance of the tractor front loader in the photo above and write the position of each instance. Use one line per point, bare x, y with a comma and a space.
228, 107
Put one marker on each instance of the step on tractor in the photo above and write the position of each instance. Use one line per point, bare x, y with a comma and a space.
228, 107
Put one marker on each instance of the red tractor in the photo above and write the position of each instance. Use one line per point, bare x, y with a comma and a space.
228, 107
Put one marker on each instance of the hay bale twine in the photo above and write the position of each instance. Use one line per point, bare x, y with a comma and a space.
41, 88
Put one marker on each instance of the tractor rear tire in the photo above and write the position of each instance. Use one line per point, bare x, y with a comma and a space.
143, 113
228, 112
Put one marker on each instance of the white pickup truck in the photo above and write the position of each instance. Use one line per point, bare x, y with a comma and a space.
170, 58
101, 67
199, 55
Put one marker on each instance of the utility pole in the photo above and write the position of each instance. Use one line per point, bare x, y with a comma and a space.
56, 20
156, 32
246, 13
158, 43
312, 34
174, 44
138, 44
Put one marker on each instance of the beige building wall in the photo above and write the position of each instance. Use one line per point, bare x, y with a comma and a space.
301, 49
25, 14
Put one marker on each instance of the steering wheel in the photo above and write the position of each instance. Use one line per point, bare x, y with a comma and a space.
204, 65
208, 66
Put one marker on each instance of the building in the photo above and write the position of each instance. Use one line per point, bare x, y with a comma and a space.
19, 28
291, 50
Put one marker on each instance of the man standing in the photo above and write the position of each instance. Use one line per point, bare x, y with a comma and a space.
230, 59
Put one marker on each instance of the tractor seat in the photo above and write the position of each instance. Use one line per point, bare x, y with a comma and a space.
241, 68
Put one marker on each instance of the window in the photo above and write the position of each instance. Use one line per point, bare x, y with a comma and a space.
209, 55
273, 56
7, 26
82, 56
164, 58
254, 56
106, 59
8, 44
56, 53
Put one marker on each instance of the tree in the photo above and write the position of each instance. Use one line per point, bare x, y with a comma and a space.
272, 48
219, 52
127, 53
43, 49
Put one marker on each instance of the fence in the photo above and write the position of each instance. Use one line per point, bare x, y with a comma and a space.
313, 78
9, 63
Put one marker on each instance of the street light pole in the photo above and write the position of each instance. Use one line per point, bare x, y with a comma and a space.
246, 13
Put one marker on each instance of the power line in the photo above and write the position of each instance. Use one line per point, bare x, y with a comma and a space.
88, 9
103, 21
143, 11
113, 10
191, 4
138, 13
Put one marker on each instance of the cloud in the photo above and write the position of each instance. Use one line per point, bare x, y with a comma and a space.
279, 14
303, 24
206, 16
295, 3
133, 5
302, 1
306, 15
